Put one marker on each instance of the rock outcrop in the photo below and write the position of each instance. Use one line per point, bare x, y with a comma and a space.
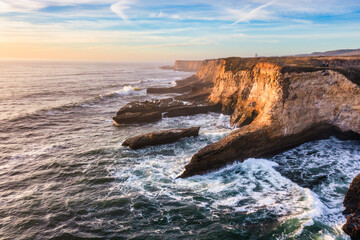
192, 101
161, 137
352, 209
193, 86
279, 103
153, 111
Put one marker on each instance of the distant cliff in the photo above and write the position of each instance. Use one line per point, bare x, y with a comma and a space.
341, 52
191, 66
184, 65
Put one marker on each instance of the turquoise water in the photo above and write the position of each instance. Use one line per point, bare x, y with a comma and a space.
65, 175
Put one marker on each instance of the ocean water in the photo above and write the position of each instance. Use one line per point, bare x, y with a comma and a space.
65, 175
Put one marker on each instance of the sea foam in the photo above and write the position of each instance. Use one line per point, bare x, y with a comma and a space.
130, 90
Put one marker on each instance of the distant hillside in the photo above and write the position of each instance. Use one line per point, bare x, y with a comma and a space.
342, 52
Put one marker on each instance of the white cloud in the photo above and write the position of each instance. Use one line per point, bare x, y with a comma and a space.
230, 10
20, 6
120, 7
63, 33
245, 11
162, 14
34, 5
258, 13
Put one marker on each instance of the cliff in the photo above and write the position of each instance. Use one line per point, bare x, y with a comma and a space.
276, 103
352, 209
279, 103
187, 66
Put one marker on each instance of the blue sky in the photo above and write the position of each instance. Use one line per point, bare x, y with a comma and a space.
138, 30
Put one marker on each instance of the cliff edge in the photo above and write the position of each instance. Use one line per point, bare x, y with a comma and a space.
279, 103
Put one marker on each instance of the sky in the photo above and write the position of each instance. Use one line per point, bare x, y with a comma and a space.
144, 30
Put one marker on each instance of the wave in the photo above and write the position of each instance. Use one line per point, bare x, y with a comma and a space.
129, 90
256, 187
126, 91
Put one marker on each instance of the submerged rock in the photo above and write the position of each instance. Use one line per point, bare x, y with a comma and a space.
161, 137
352, 209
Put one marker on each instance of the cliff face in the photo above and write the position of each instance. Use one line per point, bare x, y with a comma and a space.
266, 96
190, 66
352, 209
248, 93
279, 103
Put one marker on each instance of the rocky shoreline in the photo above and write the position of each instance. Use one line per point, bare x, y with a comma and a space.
276, 103
282, 103
193, 100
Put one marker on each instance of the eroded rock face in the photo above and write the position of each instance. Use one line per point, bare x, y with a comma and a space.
161, 137
352, 209
279, 103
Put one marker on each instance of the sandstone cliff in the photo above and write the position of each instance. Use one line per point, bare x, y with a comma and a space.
188, 66
279, 103
352, 209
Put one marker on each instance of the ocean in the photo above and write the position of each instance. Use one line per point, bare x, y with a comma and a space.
65, 175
